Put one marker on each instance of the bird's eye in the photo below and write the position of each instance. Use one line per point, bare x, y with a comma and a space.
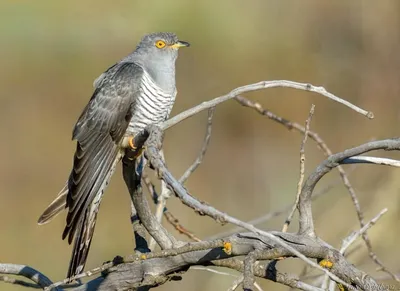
160, 44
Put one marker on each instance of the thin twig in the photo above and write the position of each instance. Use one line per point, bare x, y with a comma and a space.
302, 274
305, 219
349, 240
258, 86
284, 210
200, 268
167, 214
203, 150
179, 227
28, 272
372, 160
161, 204
236, 283
266, 271
292, 125
16, 281
302, 169
352, 238
166, 193
154, 158
258, 287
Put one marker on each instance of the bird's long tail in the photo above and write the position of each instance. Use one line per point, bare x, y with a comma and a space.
86, 225
55, 207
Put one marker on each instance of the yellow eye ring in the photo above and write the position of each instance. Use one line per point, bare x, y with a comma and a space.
160, 44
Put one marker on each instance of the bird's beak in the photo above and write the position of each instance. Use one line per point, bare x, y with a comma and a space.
180, 44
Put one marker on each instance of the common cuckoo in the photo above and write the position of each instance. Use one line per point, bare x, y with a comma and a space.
137, 91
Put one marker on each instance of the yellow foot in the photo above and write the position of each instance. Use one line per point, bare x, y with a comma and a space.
132, 151
227, 248
131, 142
326, 264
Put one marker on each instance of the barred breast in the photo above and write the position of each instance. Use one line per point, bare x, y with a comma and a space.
152, 106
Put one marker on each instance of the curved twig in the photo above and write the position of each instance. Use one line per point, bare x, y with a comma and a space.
258, 86
306, 224
153, 156
28, 272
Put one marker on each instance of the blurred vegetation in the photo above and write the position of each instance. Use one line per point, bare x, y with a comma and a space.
51, 51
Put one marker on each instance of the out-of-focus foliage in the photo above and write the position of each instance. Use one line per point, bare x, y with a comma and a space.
51, 51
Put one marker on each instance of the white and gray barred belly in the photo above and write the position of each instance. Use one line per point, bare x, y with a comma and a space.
152, 106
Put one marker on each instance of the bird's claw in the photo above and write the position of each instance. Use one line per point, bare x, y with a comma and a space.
131, 142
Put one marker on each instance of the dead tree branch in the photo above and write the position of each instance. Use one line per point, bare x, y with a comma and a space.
161, 200
327, 151
261, 249
40, 280
306, 220
172, 219
258, 86
302, 169
155, 269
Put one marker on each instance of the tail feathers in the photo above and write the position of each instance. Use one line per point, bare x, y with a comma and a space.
82, 243
55, 207
84, 227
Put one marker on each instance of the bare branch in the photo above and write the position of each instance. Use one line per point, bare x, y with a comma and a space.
168, 215
352, 238
138, 228
322, 145
156, 268
22, 270
248, 269
156, 230
302, 169
284, 210
200, 268
268, 271
372, 160
203, 150
165, 193
22, 283
306, 220
179, 227
150, 269
161, 203
348, 241
236, 283
258, 86
157, 163
139, 231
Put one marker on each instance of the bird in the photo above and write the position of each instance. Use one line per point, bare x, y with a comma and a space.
135, 92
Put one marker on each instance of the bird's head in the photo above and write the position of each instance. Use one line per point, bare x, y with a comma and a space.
160, 47
157, 53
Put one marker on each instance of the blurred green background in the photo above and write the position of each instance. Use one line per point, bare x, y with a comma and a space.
51, 51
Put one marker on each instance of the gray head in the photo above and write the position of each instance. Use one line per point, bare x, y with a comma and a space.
157, 53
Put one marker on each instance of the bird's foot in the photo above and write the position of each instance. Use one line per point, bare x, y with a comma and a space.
131, 143
133, 150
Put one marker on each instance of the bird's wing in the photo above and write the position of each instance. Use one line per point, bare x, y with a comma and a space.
99, 80
98, 132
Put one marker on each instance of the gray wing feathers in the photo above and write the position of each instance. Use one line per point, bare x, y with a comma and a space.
99, 132
85, 227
